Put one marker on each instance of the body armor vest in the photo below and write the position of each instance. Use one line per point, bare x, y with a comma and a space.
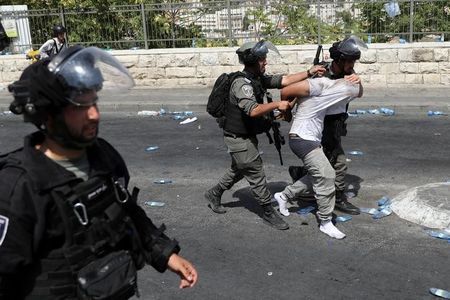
239, 123
94, 216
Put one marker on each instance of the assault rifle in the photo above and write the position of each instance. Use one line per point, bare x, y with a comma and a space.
278, 138
317, 58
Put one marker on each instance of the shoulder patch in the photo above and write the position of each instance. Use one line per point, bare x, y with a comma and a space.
247, 90
3, 228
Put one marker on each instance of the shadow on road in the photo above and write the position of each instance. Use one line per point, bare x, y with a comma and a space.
247, 201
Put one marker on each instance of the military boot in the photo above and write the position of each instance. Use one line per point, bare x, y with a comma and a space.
271, 217
343, 205
213, 196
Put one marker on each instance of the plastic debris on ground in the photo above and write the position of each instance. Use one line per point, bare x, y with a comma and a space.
343, 218
162, 181
148, 113
382, 213
377, 111
183, 113
151, 148
431, 113
350, 195
355, 152
440, 293
370, 211
440, 234
305, 210
6, 113
154, 203
188, 120
374, 111
384, 201
176, 115
269, 273
384, 208
179, 117
387, 111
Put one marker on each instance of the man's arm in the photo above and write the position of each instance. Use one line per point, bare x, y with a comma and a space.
47, 46
294, 91
297, 77
354, 78
262, 109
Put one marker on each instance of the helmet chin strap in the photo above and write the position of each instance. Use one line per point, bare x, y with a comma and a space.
61, 134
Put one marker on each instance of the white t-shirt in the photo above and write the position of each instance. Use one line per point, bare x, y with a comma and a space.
324, 93
52, 47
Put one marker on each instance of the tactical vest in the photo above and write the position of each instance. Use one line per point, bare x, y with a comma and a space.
96, 223
239, 123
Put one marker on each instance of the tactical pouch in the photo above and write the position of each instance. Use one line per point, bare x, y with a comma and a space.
111, 277
221, 121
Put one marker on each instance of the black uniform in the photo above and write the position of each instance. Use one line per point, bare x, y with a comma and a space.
53, 224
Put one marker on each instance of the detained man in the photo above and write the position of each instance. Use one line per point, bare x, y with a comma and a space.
314, 98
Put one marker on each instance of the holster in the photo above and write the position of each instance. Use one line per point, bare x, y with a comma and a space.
335, 127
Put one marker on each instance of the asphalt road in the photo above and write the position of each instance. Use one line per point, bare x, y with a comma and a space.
238, 256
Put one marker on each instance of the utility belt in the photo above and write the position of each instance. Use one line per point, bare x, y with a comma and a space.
102, 248
237, 135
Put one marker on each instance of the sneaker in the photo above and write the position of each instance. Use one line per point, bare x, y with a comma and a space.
282, 201
347, 207
271, 217
329, 229
214, 203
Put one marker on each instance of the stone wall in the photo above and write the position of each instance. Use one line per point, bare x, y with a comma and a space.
382, 65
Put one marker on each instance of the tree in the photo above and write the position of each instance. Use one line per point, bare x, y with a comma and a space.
429, 17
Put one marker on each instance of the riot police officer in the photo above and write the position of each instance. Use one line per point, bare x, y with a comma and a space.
245, 118
56, 44
344, 54
69, 227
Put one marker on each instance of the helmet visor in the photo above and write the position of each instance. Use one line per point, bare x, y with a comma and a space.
90, 69
262, 47
351, 45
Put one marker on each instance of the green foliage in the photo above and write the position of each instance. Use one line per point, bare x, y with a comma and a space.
429, 17
118, 24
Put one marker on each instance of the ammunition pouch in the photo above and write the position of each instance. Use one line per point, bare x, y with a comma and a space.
111, 277
102, 248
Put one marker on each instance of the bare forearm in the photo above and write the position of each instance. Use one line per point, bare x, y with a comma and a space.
293, 78
296, 90
297, 77
262, 109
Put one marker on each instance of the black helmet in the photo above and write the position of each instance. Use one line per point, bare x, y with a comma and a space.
347, 49
250, 52
57, 29
46, 86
